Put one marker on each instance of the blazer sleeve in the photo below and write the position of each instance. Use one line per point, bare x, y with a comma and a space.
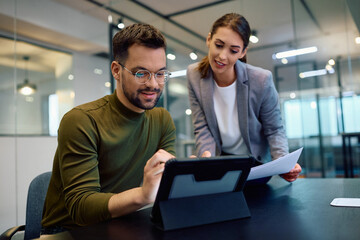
270, 116
204, 141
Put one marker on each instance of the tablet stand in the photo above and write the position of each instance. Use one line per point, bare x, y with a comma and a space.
197, 210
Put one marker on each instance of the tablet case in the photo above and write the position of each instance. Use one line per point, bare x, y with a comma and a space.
201, 191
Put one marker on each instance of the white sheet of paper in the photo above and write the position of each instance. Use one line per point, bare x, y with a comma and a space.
346, 202
279, 166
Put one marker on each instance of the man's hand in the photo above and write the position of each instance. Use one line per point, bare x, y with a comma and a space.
152, 174
205, 154
135, 198
293, 174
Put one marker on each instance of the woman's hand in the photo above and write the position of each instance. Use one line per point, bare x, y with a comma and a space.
293, 174
205, 154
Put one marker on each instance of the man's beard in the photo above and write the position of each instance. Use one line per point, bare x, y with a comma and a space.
135, 100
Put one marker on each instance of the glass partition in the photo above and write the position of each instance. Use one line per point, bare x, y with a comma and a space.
319, 90
40, 93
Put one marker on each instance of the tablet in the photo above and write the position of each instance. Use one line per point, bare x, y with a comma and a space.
190, 178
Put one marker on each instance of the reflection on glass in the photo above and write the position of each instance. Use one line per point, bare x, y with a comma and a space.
43, 88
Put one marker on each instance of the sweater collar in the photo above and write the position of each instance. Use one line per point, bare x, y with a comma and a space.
122, 109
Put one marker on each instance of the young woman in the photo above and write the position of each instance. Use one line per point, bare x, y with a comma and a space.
235, 106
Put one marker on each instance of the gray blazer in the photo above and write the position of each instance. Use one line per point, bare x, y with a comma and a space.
258, 109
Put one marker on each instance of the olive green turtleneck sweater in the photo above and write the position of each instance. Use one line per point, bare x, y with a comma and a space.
102, 150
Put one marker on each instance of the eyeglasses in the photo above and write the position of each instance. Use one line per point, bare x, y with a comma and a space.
143, 76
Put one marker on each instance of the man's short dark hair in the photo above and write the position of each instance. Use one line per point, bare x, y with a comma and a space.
139, 33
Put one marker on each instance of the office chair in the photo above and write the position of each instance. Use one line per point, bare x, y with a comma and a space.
34, 208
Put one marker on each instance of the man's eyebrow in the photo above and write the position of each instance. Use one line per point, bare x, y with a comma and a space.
236, 46
134, 69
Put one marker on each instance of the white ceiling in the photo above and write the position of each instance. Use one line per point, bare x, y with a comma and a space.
280, 24
331, 28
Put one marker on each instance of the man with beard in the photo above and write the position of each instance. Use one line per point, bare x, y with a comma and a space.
110, 154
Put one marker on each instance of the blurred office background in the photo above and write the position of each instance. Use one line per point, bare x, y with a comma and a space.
59, 50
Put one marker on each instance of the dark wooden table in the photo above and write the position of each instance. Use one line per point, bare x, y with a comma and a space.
279, 210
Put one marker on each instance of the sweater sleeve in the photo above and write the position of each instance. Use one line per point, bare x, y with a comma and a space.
77, 149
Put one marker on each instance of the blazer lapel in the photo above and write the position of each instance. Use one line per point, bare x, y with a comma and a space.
207, 90
242, 98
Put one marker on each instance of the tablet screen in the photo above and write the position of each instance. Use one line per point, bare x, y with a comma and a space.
195, 188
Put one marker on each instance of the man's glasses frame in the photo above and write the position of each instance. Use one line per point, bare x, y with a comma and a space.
143, 76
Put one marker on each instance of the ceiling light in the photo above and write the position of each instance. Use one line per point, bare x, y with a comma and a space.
26, 88
295, 52
331, 62
98, 71
110, 18
313, 105
193, 55
315, 73
284, 61
121, 24
329, 68
348, 94
107, 84
71, 77
180, 73
292, 95
253, 37
171, 56
357, 40
188, 111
